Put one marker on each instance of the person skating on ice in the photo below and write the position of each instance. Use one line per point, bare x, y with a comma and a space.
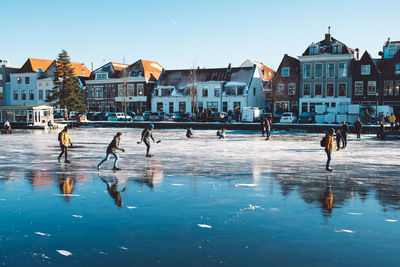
64, 139
189, 133
112, 150
147, 134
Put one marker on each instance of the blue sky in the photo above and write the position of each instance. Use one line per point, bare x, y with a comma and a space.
179, 34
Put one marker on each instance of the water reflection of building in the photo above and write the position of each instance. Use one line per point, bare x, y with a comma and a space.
39, 179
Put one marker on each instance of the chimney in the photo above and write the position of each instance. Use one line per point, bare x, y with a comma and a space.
328, 38
357, 53
229, 67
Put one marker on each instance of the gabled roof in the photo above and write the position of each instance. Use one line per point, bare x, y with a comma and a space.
266, 72
118, 66
33, 65
326, 46
181, 78
113, 68
80, 70
149, 69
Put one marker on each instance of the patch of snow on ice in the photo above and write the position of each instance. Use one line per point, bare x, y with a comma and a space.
245, 185
204, 226
354, 213
274, 209
131, 207
389, 220
123, 248
64, 252
177, 184
67, 195
42, 234
344, 231
77, 216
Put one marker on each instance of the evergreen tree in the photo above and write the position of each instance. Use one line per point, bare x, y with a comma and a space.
66, 91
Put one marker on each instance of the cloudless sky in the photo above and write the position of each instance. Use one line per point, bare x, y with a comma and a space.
179, 34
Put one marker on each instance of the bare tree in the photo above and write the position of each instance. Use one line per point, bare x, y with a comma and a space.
125, 75
193, 89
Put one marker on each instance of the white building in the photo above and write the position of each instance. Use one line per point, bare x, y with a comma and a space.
221, 89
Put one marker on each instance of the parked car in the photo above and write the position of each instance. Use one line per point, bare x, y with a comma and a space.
146, 115
119, 117
132, 114
219, 116
186, 117
139, 117
154, 116
177, 116
307, 117
288, 117
58, 115
164, 116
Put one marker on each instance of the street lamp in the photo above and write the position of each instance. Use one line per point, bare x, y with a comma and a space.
376, 111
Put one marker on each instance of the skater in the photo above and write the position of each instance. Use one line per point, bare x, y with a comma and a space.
7, 127
381, 132
50, 125
64, 139
358, 127
221, 133
329, 147
263, 126
147, 134
392, 120
189, 133
339, 138
268, 125
112, 149
345, 129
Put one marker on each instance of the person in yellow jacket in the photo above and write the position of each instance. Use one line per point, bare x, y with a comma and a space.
392, 120
64, 139
329, 147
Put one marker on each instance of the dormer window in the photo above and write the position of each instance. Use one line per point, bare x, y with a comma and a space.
337, 49
286, 72
313, 50
365, 69
101, 76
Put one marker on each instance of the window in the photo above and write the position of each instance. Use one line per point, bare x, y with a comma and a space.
230, 90
313, 50
330, 70
397, 88
286, 72
304, 107
388, 88
19, 80
365, 69
165, 92
312, 107
31, 95
254, 91
318, 70
217, 92
47, 84
15, 95
337, 49
307, 71
47, 94
342, 70
358, 88
171, 107
160, 106
291, 88
280, 88
236, 106
397, 69
318, 89
130, 89
392, 51
205, 92
329, 89
342, 89
40, 94
240, 90
26, 80
101, 76
371, 87
156, 92
23, 95
40, 84
182, 106
306, 89
91, 92
99, 92
333, 105
212, 105
140, 89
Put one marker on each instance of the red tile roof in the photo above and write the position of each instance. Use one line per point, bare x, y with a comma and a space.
118, 66
152, 70
33, 65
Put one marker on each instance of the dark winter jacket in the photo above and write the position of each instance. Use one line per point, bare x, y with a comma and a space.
147, 134
114, 145
358, 125
345, 129
188, 133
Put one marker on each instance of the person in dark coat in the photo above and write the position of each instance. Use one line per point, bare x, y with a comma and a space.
147, 135
381, 132
339, 138
112, 150
345, 129
268, 125
189, 133
358, 127
263, 126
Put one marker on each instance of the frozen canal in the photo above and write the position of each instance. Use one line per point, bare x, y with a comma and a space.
242, 201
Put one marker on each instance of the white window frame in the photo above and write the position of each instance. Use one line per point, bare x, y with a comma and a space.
280, 88
309, 84
315, 70
365, 70
338, 90
289, 85
345, 70
304, 71
322, 89
355, 87
327, 70
368, 85
288, 72
326, 90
